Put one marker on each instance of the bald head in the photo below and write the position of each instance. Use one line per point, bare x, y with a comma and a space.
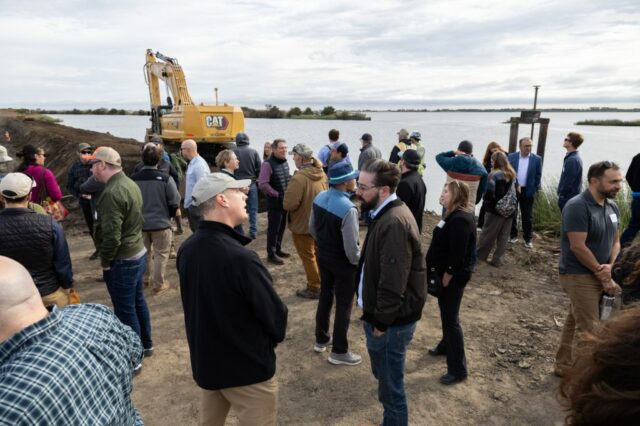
189, 149
20, 302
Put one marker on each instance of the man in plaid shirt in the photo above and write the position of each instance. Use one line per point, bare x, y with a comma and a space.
64, 366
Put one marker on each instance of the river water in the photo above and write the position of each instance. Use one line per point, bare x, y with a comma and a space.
441, 131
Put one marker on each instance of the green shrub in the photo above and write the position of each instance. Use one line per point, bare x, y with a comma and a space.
546, 213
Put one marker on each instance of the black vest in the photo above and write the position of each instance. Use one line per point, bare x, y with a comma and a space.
279, 181
27, 238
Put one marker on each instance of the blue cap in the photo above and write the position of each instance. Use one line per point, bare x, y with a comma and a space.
342, 172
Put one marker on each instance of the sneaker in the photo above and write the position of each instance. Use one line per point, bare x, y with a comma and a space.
321, 347
307, 294
137, 369
283, 254
513, 240
344, 359
147, 352
528, 244
276, 260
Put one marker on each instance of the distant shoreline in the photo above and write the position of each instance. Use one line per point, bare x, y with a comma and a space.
633, 123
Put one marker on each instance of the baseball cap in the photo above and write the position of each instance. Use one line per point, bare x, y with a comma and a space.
156, 140
84, 146
341, 147
302, 150
106, 154
4, 156
213, 184
411, 156
366, 137
415, 135
341, 172
16, 185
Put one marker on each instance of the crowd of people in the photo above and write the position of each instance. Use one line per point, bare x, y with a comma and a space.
133, 221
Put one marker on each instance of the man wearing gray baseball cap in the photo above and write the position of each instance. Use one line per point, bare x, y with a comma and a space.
226, 287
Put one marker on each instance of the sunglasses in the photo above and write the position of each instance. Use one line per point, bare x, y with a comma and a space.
42, 153
86, 152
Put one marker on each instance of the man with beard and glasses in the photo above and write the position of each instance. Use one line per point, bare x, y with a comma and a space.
391, 284
589, 246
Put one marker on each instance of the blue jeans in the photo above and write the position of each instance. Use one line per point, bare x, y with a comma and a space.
634, 224
125, 285
387, 354
252, 207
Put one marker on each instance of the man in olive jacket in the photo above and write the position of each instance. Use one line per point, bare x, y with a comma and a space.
303, 187
234, 318
391, 284
120, 244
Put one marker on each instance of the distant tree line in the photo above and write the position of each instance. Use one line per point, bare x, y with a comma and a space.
590, 109
326, 113
76, 111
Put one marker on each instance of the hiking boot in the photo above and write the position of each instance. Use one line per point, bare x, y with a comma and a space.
147, 352
276, 260
283, 254
528, 244
321, 347
344, 359
307, 294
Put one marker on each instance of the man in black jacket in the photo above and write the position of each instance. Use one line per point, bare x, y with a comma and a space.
233, 316
391, 283
411, 188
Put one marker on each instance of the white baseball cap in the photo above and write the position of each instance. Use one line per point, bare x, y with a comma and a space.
16, 185
213, 184
4, 156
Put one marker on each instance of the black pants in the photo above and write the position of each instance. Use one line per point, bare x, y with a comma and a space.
452, 342
277, 223
335, 279
526, 210
85, 205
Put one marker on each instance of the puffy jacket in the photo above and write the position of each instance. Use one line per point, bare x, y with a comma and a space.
303, 187
395, 280
465, 168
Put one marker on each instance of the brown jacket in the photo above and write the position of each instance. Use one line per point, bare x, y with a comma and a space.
303, 187
395, 273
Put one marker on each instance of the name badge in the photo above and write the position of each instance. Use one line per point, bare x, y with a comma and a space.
441, 224
614, 218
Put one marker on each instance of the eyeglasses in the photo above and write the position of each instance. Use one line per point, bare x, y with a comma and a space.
86, 152
363, 188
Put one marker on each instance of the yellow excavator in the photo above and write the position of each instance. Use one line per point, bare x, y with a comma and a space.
213, 127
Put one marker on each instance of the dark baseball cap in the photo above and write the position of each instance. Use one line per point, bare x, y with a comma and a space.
366, 137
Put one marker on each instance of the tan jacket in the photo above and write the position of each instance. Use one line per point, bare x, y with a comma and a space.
303, 187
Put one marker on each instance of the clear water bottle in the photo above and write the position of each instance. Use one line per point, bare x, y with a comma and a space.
606, 306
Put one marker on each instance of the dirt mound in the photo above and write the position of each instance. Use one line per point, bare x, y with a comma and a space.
60, 143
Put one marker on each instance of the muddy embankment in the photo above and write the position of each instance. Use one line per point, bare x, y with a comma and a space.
60, 143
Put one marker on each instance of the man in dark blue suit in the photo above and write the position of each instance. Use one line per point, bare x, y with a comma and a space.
528, 167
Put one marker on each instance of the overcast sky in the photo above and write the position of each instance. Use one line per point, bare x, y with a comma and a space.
355, 54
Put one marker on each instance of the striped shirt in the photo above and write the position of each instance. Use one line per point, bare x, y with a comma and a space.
72, 367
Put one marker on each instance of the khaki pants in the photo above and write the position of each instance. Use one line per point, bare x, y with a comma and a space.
158, 245
306, 248
584, 292
60, 298
253, 404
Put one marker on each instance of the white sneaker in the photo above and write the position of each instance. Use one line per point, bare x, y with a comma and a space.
344, 359
321, 347
528, 244
513, 240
